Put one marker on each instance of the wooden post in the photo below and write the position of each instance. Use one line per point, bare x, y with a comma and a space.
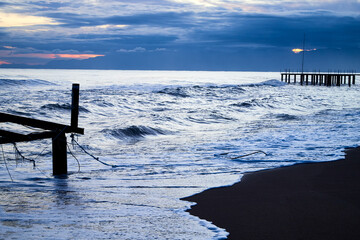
338, 80
59, 153
307, 79
349, 82
75, 105
353, 82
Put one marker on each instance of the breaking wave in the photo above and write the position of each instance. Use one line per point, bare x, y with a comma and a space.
176, 92
286, 117
271, 83
134, 132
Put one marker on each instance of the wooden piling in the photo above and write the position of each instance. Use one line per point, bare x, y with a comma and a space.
59, 154
75, 105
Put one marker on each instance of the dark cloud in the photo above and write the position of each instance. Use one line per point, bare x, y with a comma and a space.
73, 20
276, 31
163, 19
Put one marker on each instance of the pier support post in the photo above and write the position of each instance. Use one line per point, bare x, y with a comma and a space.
59, 154
75, 105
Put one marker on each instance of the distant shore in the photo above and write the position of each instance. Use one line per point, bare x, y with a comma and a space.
303, 201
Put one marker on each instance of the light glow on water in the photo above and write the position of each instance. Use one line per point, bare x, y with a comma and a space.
170, 133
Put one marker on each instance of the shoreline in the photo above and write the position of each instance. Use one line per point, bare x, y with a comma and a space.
304, 201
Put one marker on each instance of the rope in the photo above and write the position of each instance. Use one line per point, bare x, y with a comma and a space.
74, 157
22, 156
84, 150
6, 163
32, 160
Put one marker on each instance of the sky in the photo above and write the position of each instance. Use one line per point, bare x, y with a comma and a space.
181, 34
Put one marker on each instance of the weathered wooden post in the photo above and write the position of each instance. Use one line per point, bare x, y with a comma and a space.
75, 105
59, 141
59, 153
349, 82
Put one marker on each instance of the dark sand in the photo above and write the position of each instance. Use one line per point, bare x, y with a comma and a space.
303, 201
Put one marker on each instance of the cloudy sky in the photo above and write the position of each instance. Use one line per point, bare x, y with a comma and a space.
180, 34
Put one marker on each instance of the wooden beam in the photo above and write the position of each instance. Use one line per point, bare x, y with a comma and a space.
11, 137
5, 117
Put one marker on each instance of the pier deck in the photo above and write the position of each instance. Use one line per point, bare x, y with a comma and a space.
325, 79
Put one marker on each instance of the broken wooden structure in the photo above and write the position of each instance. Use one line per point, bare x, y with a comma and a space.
52, 130
321, 79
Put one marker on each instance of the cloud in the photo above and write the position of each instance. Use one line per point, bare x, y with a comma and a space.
4, 62
155, 28
137, 49
164, 19
55, 56
140, 49
8, 20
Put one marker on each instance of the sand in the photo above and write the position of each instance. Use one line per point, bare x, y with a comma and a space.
303, 201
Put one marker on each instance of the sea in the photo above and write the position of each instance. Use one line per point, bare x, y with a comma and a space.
152, 138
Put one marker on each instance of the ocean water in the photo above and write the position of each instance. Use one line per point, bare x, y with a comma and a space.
170, 134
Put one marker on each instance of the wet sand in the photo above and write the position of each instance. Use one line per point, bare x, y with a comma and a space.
304, 201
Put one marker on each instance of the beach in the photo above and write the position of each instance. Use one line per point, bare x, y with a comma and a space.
302, 201
167, 135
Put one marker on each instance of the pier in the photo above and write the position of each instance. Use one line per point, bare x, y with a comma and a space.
51, 130
318, 78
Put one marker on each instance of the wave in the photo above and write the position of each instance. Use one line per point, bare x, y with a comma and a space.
134, 132
246, 104
66, 106
286, 117
177, 92
18, 113
25, 82
210, 90
271, 83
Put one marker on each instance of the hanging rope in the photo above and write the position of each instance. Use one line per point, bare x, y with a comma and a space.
74, 157
22, 156
84, 150
6, 163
